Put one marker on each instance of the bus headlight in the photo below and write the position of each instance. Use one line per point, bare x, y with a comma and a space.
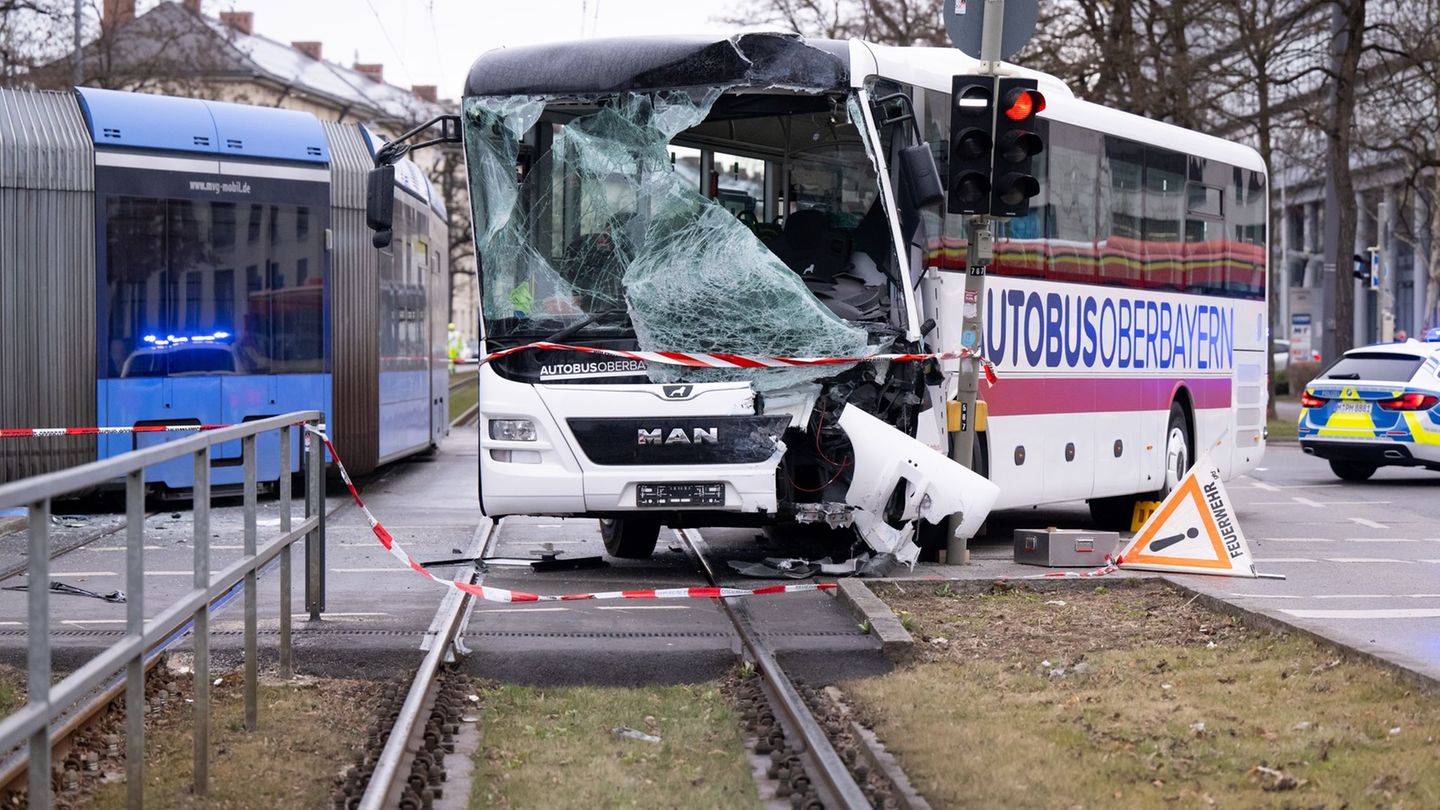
512, 430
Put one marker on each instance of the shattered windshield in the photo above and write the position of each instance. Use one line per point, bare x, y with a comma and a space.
689, 221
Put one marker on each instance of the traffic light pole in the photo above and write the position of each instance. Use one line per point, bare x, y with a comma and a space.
980, 239
962, 442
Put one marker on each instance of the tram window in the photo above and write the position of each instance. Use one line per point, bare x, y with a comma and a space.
170, 269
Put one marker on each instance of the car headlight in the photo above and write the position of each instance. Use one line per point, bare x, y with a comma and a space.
512, 430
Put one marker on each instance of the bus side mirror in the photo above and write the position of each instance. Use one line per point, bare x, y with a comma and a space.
380, 205
919, 177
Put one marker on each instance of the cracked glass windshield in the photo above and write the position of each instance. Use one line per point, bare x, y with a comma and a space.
693, 221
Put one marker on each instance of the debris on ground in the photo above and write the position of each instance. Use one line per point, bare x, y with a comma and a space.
634, 734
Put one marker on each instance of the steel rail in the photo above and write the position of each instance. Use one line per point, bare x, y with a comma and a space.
387, 782
832, 779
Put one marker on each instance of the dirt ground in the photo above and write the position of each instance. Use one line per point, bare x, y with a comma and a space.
559, 748
309, 731
1134, 696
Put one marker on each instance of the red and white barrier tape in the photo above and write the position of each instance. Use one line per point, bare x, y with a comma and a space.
1108, 568
23, 433
501, 595
739, 361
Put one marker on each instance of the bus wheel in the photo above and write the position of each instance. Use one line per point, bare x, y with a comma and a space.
630, 538
1177, 450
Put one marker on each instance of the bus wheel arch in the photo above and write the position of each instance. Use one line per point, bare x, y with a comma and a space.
1182, 418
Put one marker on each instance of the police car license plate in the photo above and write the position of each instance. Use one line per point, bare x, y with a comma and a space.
1351, 406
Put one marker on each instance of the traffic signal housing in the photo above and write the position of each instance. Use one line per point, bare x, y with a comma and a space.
1017, 142
972, 127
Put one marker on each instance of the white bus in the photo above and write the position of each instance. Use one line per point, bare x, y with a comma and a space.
1125, 315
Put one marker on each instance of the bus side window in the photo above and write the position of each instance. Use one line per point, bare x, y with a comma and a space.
1245, 224
1071, 203
1122, 254
1164, 211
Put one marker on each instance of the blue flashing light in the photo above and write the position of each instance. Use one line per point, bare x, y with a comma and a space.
179, 340
1433, 336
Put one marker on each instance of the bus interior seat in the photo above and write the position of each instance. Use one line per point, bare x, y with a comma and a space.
808, 246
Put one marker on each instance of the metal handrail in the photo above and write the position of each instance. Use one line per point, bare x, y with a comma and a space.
45, 703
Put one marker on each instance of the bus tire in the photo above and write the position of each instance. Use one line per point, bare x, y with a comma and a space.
1179, 455
630, 538
1352, 471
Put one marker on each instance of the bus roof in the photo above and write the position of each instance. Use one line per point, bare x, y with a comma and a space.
637, 64
784, 60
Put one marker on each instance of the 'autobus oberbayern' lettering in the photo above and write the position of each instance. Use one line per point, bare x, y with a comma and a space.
1056, 330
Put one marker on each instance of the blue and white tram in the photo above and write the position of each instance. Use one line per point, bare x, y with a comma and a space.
223, 273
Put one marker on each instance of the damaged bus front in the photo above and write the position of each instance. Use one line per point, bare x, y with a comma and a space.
736, 200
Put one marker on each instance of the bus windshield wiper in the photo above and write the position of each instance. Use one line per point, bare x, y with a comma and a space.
589, 320
570, 330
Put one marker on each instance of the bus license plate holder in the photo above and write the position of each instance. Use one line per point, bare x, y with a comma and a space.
702, 493
1352, 406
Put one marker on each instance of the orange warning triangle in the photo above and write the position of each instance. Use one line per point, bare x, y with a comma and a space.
1193, 531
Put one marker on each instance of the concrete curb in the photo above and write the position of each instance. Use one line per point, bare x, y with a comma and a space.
895, 641
11, 525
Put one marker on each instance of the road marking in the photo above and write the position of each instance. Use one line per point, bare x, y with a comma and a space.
330, 615
1386, 613
1296, 540
1265, 596
523, 610
146, 548
1368, 523
1284, 560
644, 607
1266, 487
83, 622
1379, 540
386, 570
169, 573
55, 574
1363, 560
1307, 502
12, 624
1428, 561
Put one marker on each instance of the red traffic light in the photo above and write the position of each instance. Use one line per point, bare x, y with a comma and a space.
1023, 104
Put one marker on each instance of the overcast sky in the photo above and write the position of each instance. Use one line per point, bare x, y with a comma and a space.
434, 41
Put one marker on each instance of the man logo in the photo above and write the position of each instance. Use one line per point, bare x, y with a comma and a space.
710, 435
678, 391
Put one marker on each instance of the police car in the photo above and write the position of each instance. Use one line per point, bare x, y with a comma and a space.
1377, 406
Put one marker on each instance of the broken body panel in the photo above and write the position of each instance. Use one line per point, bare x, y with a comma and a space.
617, 236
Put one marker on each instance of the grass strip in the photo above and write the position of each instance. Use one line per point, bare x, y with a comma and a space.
464, 397
556, 748
309, 731
1136, 697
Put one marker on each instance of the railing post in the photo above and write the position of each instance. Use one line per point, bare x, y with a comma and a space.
287, 665
201, 503
135, 628
38, 661
252, 673
315, 540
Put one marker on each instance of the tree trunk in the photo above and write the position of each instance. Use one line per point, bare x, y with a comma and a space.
1339, 146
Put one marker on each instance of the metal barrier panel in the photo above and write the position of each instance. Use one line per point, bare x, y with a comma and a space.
32, 724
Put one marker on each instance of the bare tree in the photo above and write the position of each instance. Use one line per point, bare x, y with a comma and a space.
1400, 105
890, 22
